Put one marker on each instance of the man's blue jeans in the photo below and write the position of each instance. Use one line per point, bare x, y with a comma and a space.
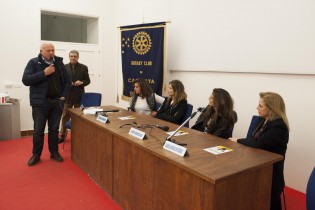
50, 112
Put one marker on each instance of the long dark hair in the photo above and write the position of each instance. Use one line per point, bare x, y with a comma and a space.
145, 88
222, 109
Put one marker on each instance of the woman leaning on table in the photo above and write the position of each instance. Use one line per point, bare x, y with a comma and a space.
144, 99
218, 118
174, 107
271, 133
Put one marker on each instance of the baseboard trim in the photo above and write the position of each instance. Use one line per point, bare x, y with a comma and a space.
27, 133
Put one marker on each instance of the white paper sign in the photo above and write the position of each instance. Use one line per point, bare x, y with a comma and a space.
174, 148
137, 133
127, 118
218, 150
91, 110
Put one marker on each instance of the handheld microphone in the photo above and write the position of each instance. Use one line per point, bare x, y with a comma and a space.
165, 128
52, 61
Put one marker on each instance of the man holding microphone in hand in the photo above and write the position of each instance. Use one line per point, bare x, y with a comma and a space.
49, 87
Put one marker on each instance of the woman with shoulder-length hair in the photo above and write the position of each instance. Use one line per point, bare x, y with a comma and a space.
218, 118
174, 107
144, 99
271, 133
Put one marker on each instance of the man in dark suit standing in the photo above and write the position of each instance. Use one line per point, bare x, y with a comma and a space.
80, 78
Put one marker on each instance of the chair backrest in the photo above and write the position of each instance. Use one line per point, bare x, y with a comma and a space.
188, 112
91, 99
310, 192
230, 131
251, 126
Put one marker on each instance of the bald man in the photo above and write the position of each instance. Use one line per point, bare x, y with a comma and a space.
49, 84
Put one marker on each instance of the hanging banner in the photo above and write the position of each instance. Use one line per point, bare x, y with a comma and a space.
142, 54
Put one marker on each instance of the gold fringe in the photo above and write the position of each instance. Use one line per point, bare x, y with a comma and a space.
125, 98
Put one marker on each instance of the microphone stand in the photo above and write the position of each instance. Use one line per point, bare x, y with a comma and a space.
169, 138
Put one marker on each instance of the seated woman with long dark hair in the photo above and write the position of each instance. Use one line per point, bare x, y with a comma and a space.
218, 118
144, 99
174, 107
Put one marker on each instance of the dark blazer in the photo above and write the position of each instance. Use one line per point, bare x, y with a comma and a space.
80, 73
220, 130
274, 138
173, 113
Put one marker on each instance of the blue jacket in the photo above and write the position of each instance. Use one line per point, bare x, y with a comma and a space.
34, 77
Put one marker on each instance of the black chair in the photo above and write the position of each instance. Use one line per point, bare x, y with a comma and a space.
87, 100
310, 192
251, 126
188, 112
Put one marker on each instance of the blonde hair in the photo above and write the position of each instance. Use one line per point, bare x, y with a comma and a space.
179, 91
275, 105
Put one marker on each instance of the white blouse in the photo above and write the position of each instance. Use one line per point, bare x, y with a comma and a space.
142, 106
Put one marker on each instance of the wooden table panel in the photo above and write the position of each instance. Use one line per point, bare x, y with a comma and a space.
140, 174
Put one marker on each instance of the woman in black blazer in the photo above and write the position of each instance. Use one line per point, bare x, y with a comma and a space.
174, 107
218, 118
271, 133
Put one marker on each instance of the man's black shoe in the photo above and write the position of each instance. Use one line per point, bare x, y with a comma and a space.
56, 156
34, 159
60, 140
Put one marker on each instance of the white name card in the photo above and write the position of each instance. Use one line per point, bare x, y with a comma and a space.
136, 133
175, 148
102, 118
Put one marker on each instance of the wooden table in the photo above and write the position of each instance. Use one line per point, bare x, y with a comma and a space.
140, 174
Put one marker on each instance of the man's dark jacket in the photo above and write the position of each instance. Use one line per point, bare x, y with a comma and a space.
34, 77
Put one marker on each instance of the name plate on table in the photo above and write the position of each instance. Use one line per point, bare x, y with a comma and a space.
175, 148
136, 133
102, 119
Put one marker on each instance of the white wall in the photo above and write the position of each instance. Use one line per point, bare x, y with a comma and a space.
207, 49
20, 41
244, 35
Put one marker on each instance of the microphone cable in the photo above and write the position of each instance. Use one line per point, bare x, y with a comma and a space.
144, 126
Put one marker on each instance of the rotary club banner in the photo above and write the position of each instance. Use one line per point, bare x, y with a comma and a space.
142, 54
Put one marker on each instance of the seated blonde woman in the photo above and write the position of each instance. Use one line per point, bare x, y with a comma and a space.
174, 107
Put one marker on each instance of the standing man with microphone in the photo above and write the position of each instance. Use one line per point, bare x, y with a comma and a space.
80, 78
49, 87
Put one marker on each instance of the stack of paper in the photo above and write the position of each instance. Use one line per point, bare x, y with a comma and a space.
91, 110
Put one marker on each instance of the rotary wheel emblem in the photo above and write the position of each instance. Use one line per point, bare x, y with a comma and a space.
141, 43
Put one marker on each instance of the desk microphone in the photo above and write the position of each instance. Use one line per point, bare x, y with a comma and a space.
104, 111
202, 109
169, 138
164, 128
